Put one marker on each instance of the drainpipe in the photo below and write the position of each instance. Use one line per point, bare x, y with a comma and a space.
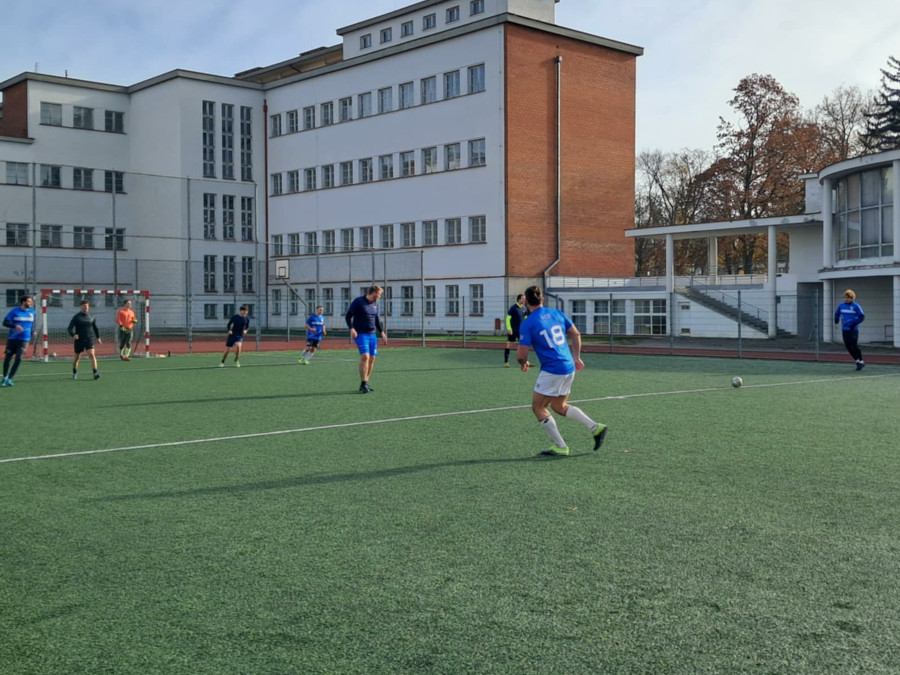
558, 171
265, 121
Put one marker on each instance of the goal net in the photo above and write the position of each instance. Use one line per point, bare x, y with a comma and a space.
58, 306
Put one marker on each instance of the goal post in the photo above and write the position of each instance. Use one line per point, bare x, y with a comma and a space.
55, 319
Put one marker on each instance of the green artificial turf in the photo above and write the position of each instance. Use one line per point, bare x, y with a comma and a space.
415, 529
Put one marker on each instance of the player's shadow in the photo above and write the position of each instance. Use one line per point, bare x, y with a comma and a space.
305, 481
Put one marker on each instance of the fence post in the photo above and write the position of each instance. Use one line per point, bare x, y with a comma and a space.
816, 321
739, 325
462, 309
671, 322
609, 316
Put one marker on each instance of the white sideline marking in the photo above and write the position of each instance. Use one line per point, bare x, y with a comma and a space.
413, 418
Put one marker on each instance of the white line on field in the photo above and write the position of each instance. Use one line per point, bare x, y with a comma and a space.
413, 418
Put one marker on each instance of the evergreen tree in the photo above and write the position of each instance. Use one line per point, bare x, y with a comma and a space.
883, 123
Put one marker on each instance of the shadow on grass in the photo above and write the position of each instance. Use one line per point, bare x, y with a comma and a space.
301, 481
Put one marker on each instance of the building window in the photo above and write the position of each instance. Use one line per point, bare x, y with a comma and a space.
228, 274
209, 139
408, 163
327, 112
275, 125
347, 239
293, 123
579, 315
246, 218
452, 300
228, 309
246, 143
385, 167
84, 237
294, 243
429, 160
293, 181
387, 236
365, 171
603, 318
476, 7
408, 235
429, 89
328, 241
209, 215
453, 230
277, 245
82, 179
451, 156
451, 84
114, 121
293, 302
429, 232
247, 274
228, 217
345, 299
50, 175
114, 239
227, 141
650, 317
276, 301
476, 152
82, 118
406, 29
387, 300
328, 176
16, 173
476, 78
51, 113
385, 100
345, 109
476, 300
477, 229
405, 92
114, 180
276, 179
346, 173
312, 243
309, 179
430, 301
328, 301
429, 21
209, 274
310, 298
365, 41
309, 117
366, 238
17, 234
452, 14
387, 34
864, 213
408, 306
51, 236
364, 104
209, 310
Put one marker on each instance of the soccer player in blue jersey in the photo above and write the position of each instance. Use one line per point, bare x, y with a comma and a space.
849, 314
546, 331
365, 327
315, 331
238, 325
20, 321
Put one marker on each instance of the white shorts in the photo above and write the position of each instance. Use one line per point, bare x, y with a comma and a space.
552, 385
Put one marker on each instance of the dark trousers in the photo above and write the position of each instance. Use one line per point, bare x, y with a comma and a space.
14, 351
851, 337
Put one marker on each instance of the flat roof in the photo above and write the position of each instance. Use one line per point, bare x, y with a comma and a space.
725, 228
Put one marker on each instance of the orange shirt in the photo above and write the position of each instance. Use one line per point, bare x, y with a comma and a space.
126, 319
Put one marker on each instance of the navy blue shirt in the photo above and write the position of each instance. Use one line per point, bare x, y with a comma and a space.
238, 324
362, 316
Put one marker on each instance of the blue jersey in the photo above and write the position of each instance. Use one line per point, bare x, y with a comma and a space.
544, 330
849, 314
23, 318
318, 324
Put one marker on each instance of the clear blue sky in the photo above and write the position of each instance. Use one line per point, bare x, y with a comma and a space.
696, 51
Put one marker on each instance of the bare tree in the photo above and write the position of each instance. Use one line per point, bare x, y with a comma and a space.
841, 120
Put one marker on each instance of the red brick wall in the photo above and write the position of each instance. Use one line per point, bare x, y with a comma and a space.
598, 110
15, 111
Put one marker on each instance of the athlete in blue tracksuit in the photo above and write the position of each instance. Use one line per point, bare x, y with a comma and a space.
20, 321
849, 314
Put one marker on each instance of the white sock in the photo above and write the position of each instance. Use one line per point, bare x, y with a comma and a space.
309, 356
549, 426
578, 415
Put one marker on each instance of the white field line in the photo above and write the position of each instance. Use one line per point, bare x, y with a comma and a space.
413, 418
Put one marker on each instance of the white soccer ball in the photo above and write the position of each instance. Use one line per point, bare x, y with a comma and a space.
736, 382
53, 354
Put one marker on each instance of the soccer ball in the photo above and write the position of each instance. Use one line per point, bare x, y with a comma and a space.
53, 354
736, 382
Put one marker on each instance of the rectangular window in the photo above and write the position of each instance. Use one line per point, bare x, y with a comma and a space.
451, 156
408, 307
50, 175
209, 310
228, 217
603, 318
408, 163
476, 7
114, 121
385, 100
309, 117
310, 298
327, 113
452, 300
387, 300
365, 41
347, 239
228, 274
346, 173
650, 317
328, 301
406, 29
365, 171
345, 299
227, 141
293, 302
209, 139
452, 14
429, 90
51, 235
209, 274
476, 152
429, 160
114, 180
114, 239
209, 215
276, 301
16, 173
451, 84
246, 143
228, 309
430, 301
453, 230
406, 94
277, 245
17, 234
293, 181
276, 179
385, 167
387, 236
387, 34
309, 179
476, 300
579, 315
82, 179
82, 118
246, 218
51, 113
312, 242
429, 232
345, 106
408, 234
476, 78
477, 229
294, 243
328, 241
275, 125
247, 274
366, 238
429, 21
364, 104
84, 237
293, 121
328, 176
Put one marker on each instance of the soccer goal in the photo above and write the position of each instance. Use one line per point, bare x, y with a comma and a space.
59, 305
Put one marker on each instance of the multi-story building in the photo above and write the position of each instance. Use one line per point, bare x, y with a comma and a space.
453, 151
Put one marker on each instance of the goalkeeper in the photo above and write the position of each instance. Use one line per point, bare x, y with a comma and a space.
125, 320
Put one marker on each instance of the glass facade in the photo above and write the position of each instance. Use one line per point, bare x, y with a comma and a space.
864, 214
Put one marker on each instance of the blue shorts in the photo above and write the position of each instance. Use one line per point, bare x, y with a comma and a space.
234, 340
367, 344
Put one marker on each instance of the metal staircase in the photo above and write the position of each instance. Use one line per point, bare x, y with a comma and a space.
727, 306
